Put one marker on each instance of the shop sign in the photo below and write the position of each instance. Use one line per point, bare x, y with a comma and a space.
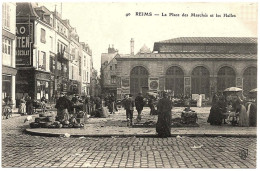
24, 42
43, 76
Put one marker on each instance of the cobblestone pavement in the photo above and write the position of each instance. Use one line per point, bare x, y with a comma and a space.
22, 150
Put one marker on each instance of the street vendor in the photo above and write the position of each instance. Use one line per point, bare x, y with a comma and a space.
62, 106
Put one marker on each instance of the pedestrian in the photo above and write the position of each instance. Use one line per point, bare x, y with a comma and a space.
62, 106
29, 105
163, 125
129, 106
92, 104
151, 105
43, 104
252, 113
87, 104
215, 115
112, 104
139, 104
243, 115
98, 102
22, 106
123, 103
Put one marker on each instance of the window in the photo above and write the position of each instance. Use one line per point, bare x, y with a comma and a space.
111, 68
84, 75
6, 46
79, 65
115, 66
58, 47
51, 43
6, 15
87, 76
43, 40
42, 61
84, 61
113, 79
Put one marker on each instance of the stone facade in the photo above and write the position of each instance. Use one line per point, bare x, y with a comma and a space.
8, 50
220, 69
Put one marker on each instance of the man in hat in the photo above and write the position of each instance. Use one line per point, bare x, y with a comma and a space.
129, 106
139, 103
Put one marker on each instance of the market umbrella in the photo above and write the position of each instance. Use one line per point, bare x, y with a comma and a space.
152, 94
232, 89
253, 90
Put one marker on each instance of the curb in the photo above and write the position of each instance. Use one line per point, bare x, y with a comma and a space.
28, 131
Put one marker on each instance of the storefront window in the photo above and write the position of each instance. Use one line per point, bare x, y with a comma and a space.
42, 89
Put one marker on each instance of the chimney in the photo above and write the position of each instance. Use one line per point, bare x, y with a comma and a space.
132, 46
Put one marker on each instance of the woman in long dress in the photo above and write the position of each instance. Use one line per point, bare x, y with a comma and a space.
22, 107
163, 126
243, 116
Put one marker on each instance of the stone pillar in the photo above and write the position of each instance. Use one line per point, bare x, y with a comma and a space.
187, 86
239, 82
213, 86
161, 83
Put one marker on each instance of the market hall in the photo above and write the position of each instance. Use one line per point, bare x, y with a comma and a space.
190, 65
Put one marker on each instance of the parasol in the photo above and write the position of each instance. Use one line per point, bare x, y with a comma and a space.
152, 94
232, 89
253, 90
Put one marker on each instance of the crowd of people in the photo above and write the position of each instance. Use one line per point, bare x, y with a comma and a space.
110, 102
87, 104
164, 107
233, 107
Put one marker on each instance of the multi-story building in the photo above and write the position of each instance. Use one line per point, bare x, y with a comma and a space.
62, 60
86, 59
75, 63
34, 50
95, 88
8, 49
108, 71
191, 65
48, 54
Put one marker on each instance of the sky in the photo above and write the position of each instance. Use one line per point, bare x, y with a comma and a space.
101, 24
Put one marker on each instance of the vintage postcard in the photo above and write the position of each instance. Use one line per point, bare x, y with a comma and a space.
117, 84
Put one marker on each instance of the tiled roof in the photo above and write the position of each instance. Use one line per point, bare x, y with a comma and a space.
211, 40
194, 56
25, 9
107, 57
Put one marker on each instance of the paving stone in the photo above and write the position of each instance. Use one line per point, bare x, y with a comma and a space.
22, 150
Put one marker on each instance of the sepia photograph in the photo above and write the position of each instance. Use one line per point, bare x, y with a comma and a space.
120, 84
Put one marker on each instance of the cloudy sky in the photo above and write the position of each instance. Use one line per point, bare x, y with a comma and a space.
102, 23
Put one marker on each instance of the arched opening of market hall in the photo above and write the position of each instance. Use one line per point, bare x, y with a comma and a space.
226, 78
138, 80
175, 80
249, 79
200, 81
